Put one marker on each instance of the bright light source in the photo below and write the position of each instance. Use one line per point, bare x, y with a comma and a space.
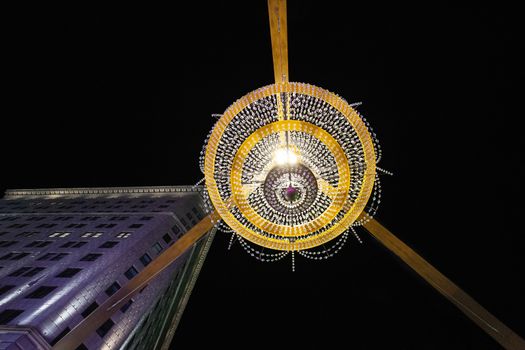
285, 156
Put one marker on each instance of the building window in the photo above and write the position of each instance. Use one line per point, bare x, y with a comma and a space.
176, 229
34, 271
7, 256
53, 256
112, 289
123, 235
39, 244
14, 256
135, 225
68, 273
8, 315
132, 272
197, 213
20, 271
59, 234
60, 336
67, 244
106, 225
145, 259
91, 235
5, 244
73, 244
89, 309
91, 257
91, 218
41, 292
126, 306
108, 244
5, 289
26, 234
167, 238
64, 218
46, 256
157, 247
75, 225
59, 256
119, 218
46, 225
146, 218
104, 329
17, 225
19, 256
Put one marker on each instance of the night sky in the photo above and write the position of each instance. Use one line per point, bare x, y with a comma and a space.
123, 96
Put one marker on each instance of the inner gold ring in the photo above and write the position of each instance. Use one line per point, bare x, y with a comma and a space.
339, 196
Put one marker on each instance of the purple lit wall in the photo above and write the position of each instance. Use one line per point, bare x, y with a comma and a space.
63, 252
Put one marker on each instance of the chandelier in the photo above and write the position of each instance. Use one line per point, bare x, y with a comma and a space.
291, 167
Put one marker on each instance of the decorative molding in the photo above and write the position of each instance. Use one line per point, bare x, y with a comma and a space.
101, 191
32, 335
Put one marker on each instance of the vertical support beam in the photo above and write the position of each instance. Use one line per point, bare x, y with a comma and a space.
279, 34
477, 313
91, 323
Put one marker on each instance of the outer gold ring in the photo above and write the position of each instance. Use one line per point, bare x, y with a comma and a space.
222, 205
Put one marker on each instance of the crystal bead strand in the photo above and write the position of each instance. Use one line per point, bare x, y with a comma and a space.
259, 255
231, 240
356, 235
327, 253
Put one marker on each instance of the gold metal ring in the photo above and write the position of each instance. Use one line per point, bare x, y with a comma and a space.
223, 205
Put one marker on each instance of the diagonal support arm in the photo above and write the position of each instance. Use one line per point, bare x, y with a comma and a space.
477, 313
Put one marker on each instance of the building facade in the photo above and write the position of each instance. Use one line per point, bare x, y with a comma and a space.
64, 251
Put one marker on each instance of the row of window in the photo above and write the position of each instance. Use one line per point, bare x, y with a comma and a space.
195, 211
47, 225
32, 271
122, 234
73, 244
104, 201
52, 256
92, 205
7, 315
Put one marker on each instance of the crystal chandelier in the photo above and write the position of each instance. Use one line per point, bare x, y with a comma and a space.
291, 167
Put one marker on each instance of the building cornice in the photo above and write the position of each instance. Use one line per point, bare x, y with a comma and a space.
38, 342
101, 191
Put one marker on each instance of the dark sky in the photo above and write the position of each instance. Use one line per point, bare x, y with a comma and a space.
101, 96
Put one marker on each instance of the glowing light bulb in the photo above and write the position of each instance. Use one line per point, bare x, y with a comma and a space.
285, 156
